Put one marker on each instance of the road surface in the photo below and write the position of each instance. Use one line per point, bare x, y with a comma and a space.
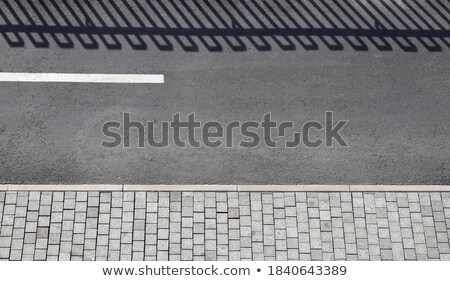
384, 68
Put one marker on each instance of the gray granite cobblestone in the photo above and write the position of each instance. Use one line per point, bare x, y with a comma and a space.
224, 226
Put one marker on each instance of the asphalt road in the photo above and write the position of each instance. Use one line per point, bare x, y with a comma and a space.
383, 68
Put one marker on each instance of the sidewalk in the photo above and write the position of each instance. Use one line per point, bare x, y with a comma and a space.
224, 226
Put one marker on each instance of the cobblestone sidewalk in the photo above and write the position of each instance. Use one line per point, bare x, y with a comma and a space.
224, 226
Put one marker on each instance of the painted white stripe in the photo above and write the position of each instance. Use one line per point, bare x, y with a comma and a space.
81, 78
229, 188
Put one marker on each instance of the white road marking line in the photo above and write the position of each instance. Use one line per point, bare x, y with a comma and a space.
228, 188
81, 78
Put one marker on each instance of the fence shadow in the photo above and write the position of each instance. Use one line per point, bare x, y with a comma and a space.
237, 25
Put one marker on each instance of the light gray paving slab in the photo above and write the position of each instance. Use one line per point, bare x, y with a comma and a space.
105, 225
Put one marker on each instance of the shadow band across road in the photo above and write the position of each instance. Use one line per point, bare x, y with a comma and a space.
239, 25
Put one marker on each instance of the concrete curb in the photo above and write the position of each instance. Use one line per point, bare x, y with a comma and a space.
293, 188
203, 187
57, 187
229, 188
399, 188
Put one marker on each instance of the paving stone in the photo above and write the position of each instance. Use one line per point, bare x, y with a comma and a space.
224, 226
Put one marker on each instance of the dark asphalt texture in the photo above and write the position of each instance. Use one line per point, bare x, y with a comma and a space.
396, 96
